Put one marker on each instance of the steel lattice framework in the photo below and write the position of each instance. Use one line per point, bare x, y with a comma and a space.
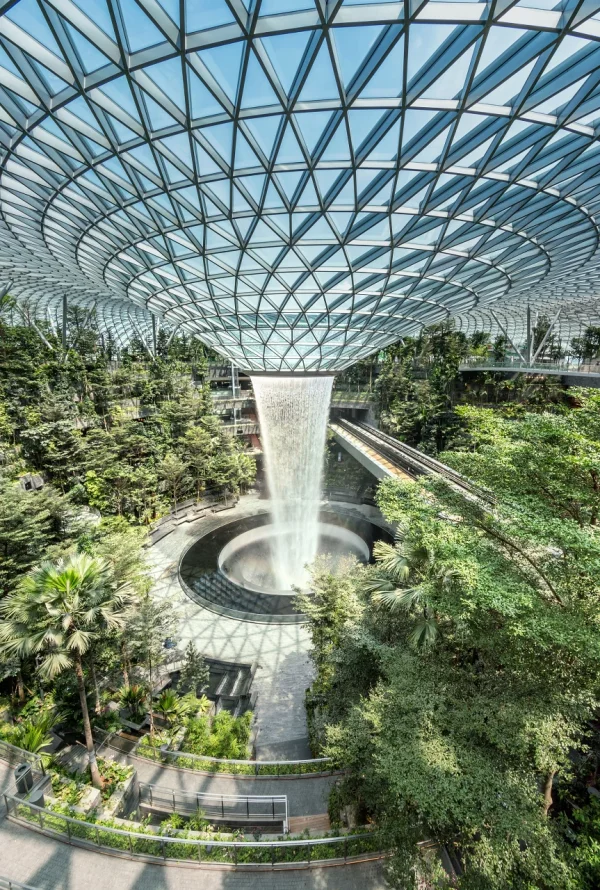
298, 182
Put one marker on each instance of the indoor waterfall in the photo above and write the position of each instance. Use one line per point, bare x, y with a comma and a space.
293, 413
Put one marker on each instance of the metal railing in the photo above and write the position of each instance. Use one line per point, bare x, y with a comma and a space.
248, 767
9, 884
363, 397
573, 366
224, 807
153, 846
14, 755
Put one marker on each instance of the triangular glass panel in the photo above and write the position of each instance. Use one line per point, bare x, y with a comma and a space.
28, 16
423, 43
568, 47
98, 12
220, 137
497, 41
140, 31
476, 154
244, 156
433, 149
272, 199
309, 195
54, 83
224, 62
452, 82
159, 118
201, 14
206, 165
386, 82
264, 130
511, 88
118, 90
312, 124
289, 150
337, 147
340, 220
388, 146
325, 179
321, 82
202, 101
254, 185
167, 77
240, 203
257, 89
559, 99
179, 145
288, 182
89, 54
123, 133
415, 122
362, 122
353, 46
285, 52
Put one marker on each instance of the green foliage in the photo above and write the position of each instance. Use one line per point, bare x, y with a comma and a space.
227, 737
195, 672
134, 698
586, 835
455, 739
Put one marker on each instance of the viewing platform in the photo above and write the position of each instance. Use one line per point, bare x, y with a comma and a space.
572, 373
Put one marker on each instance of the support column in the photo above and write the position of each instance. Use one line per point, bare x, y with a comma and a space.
529, 346
64, 321
154, 332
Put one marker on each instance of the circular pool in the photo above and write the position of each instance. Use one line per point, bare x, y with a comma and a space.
230, 569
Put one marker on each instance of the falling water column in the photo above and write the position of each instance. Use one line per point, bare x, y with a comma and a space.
293, 411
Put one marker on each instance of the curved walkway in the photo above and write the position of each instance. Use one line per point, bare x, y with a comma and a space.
49, 864
307, 795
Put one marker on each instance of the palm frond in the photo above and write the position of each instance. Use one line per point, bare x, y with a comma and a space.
425, 633
397, 599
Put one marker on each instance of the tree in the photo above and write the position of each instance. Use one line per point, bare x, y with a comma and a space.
462, 739
587, 347
195, 672
56, 613
199, 444
173, 471
150, 627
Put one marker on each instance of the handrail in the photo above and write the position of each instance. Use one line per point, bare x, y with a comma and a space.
12, 752
153, 846
257, 766
574, 367
9, 884
246, 808
251, 767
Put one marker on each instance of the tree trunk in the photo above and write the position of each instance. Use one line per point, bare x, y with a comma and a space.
124, 664
89, 741
97, 703
548, 791
20, 686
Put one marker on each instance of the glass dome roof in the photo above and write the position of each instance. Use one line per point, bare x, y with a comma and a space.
299, 182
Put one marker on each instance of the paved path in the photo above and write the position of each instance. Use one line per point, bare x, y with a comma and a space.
48, 864
307, 796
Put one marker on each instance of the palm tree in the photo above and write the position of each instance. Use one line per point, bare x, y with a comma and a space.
57, 612
408, 573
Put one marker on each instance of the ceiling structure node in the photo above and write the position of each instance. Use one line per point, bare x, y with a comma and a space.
300, 182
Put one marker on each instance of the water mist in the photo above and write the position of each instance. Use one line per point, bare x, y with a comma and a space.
293, 413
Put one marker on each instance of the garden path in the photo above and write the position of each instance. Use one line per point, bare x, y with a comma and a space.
49, 864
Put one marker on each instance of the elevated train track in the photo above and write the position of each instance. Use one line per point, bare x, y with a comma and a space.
408, 460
